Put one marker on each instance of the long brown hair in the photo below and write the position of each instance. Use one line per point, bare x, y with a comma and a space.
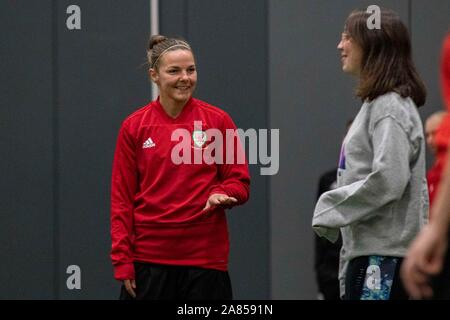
387, 63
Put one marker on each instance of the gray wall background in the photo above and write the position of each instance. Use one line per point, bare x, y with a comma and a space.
269, 64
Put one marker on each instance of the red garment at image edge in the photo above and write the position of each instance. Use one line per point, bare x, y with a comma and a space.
442, 137
445, 71
434, 174
157, 205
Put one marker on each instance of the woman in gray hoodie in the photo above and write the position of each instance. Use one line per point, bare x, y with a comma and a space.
381, 201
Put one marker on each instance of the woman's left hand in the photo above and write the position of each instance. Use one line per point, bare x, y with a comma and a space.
222, 200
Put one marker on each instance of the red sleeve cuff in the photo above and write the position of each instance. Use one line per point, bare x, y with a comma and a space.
124, 271
217, 190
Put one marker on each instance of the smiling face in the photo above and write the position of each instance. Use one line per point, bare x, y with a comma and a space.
176, 76
351, 55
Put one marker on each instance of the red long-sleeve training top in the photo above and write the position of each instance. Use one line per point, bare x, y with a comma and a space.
157, 205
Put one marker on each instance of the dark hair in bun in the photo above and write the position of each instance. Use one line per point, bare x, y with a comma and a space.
155, 40
158, 45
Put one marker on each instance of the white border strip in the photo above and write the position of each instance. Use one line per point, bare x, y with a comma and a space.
154, 29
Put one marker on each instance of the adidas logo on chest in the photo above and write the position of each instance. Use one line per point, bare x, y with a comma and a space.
148, 144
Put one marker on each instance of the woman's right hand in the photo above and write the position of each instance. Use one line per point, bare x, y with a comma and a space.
130, 286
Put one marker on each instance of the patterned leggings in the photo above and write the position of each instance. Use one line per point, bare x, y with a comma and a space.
374, 278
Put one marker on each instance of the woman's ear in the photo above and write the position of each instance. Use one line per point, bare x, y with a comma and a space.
153, 75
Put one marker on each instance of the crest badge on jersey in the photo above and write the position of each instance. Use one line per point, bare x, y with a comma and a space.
199, 138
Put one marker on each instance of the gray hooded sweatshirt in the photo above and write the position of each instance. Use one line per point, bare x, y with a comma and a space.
382, 198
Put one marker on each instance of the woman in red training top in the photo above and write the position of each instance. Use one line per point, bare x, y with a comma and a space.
168, 199
442, 136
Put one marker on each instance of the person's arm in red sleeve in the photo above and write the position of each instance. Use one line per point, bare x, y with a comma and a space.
445, 71
123, 189
234, 176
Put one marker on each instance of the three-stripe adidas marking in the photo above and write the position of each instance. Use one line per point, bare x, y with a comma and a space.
148, 144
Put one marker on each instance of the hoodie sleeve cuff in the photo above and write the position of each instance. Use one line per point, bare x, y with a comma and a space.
328, 233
